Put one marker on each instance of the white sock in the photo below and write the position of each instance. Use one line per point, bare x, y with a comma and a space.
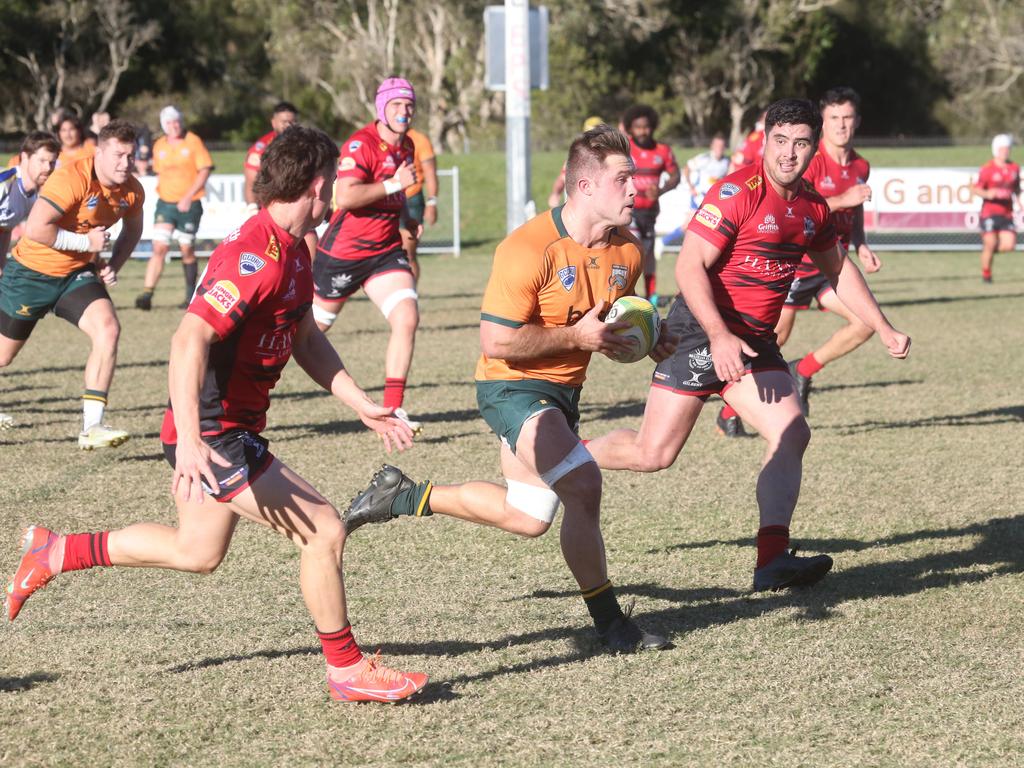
92, 410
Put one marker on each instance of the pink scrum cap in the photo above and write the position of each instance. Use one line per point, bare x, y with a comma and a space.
393, 88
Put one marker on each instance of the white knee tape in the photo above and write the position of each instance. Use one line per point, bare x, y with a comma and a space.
392, 301
539, 503
577, 457
184, 238
161, 236
323, 317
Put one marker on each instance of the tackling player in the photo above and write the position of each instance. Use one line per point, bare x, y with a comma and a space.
998, 182
362, 246
248, 318
53, 266
738, 260
651, 159
183, 165
19, 189
839, 175
539, 324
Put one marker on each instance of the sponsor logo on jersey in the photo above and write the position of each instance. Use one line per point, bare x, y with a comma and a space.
753, 182
92, 201
25, 311
347, 164
273, 251
567, 276
354, 145
809, 228
789, 212
619, 277
727, 190
843, 174
383, 147
222, 296
768, 225
290, 293
593, 262
260, 146
826, 181
709, 215
658, 160
250, 264
340, 281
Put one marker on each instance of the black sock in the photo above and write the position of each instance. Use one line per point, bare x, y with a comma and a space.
603, 607
191, 273
414, 502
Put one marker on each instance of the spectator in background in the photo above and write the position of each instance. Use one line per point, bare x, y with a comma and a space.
419, 210
96, 124
183, 164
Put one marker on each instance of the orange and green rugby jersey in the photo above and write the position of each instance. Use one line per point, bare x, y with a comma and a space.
83, 203
72, 156
177, 165
422, 150
541, 276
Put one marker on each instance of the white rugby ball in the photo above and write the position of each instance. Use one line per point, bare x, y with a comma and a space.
644, 322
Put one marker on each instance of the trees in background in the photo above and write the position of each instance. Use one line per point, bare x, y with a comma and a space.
924, 67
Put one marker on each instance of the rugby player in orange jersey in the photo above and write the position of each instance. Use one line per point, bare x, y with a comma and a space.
53, 266
997, 184
734, 271
183, 165
248, 318
540, 322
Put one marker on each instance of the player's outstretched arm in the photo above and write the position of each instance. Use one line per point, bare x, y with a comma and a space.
318, 358
727, 350
190, 350
853, 291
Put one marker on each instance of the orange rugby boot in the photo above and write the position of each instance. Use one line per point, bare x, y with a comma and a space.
372, 681
34, 570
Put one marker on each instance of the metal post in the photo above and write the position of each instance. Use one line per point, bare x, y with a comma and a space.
517, 111
456, 213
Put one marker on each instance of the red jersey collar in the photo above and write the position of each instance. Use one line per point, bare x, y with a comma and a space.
285, 239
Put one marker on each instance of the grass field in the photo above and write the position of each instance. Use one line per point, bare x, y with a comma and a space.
909, 654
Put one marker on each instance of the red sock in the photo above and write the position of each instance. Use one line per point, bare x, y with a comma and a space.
394, 392
727, 412
85, 550
809, 366
650, 283
772, 540
340, 648
986, 273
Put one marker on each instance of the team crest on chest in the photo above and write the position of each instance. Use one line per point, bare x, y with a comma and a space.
618, 277
567, 277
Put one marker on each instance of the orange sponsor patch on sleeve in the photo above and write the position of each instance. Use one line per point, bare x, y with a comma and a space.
223, 296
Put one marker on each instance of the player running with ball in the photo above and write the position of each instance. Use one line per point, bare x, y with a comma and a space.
540, 322
250, 315
735, 269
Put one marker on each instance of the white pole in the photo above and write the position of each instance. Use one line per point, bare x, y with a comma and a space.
517, 111
456, 213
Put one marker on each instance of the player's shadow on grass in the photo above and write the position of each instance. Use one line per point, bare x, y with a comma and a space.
949, 299
26, 682
17, 371
865, 385
987, 417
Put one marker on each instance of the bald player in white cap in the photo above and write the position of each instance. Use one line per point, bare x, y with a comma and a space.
997, 184
183, 164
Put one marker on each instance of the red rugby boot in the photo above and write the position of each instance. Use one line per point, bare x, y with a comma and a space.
372, 681
34, 570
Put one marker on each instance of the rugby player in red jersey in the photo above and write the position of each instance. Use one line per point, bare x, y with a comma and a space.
839, 175
998, 182
283, 117
249, 316
737, 262
752, 148
362, 246
651, 159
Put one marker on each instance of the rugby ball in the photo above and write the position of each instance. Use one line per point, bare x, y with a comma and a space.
644, 325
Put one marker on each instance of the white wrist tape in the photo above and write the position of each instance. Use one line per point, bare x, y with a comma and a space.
392, 185
431, 201
71, 241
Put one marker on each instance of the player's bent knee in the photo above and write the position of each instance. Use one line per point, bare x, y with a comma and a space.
322, 317
397, 297
161, 237
538, 504
328, 530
